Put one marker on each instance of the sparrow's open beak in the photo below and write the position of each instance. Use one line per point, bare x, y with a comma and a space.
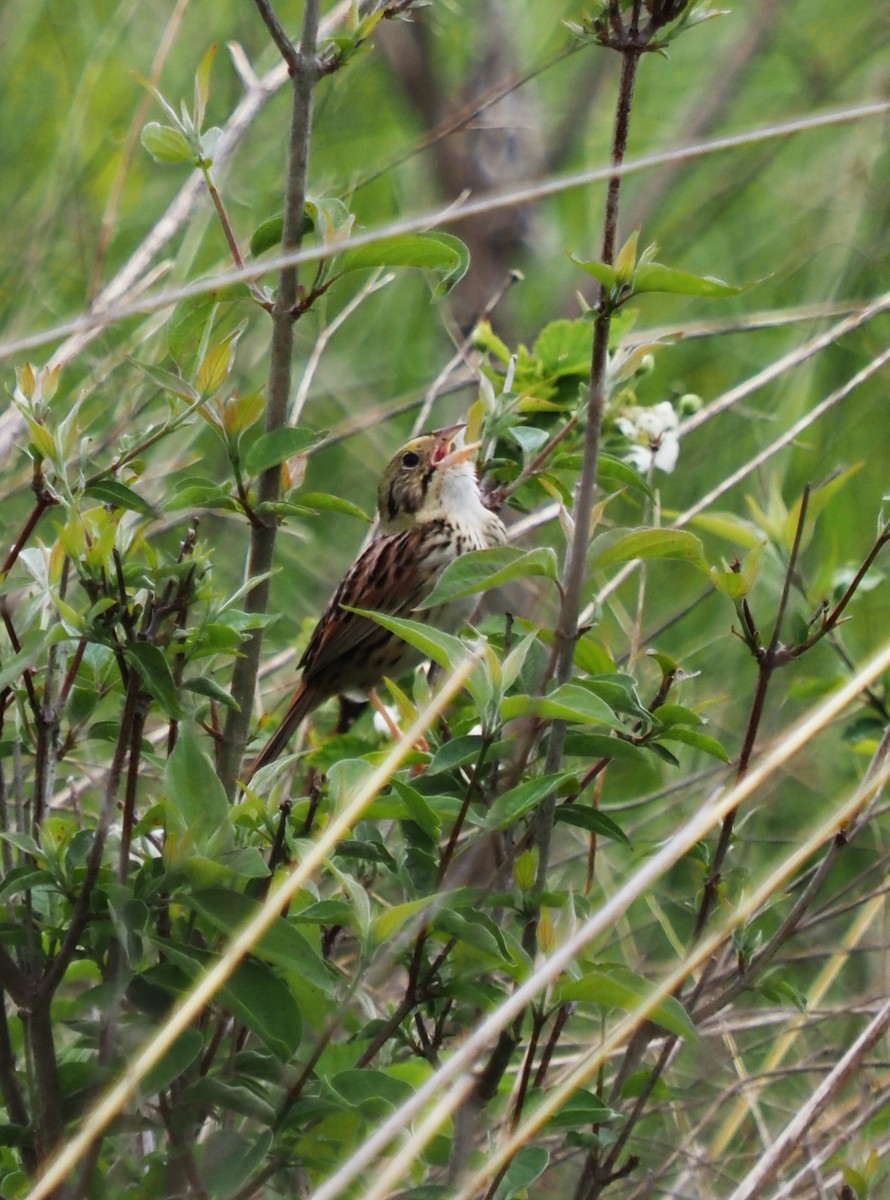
446, 454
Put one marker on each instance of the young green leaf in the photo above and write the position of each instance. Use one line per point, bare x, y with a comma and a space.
654, 543
197, 799
324, 502
152, 666
613, 474
254, 994
173, 1063
563, 348
525, 1167
591, 819
273, 448
697, 739
607, 275
267, 235
168, 382
331, 219
510, 806
202, 84
568, 703
282, 944
442, 648
441, 253
655, 277
118, 495
483, 569
624, 989
166, 144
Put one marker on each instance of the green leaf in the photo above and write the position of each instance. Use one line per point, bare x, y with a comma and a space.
166, 144
442, 253
24, 878
624, 989
366, 851
592, 746
855, 1180
607, 275
737, 584
731, 527
267, 235
418, 810
217, 363
330, 218
473, 928
193, 320
204, 686
563, 348
245, 862
374, 1092
254, 994
612, 474
392, 919
509, 807
227, 1158
455, 753
483, 569
118, 495
655, 277
591, 819
583, 1108
197, 800
677, 714
619, 691
191, 493
568, 703
693, 737
324, 502
450, 278
441, 648
281, 945
42, 440
641, 1081
32, 647
781, 990
167, 381
273, 448
173, 1063
654, 543
325, 912
152, 666
626, 258
202, 84
525, 1167
529, 439
213, 1092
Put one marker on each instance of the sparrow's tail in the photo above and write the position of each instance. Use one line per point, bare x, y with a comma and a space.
304, 700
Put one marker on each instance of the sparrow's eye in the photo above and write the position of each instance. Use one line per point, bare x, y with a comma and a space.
410, 459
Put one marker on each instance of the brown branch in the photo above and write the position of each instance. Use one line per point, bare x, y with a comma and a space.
46, 1088
575, 568
10, 1088
304, 73
286, 48
58, 965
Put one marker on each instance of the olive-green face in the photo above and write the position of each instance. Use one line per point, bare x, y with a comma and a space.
406, 480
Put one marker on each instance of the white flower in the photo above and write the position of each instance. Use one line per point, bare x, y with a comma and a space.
652, 433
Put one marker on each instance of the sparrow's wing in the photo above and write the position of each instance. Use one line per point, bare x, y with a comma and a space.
391, 576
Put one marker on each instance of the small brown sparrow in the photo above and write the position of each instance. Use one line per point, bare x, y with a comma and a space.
430, 513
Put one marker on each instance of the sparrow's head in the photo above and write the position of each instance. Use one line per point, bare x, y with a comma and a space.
428, 478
